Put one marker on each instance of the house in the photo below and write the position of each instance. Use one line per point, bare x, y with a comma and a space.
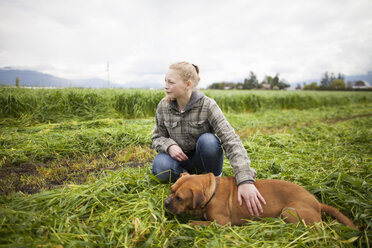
361, 84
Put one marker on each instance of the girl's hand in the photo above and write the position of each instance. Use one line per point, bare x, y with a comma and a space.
176, 153
251, 197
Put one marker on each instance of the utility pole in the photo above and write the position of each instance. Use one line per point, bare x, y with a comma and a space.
108, 75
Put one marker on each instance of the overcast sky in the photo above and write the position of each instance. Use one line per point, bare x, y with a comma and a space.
227, 39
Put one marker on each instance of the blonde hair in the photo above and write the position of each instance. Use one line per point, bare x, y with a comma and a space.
187, 71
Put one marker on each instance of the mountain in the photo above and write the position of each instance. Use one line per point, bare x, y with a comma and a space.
8, 76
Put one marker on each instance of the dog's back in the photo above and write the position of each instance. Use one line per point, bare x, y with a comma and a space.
285, 199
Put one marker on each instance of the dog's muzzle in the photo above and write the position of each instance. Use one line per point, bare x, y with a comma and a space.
168, 202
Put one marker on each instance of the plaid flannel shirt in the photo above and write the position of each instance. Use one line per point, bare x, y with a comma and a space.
201, 115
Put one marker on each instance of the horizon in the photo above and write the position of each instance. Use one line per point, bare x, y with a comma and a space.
103, 83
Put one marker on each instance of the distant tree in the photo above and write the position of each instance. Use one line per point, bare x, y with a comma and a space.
282, 84
341, 76
275, 82
17, 82
218, 86
239, 86
325, 81
298, 87
332, 78
312, 86
232, 85
251, 82
268, 80
226, 86
349, 84
337, 84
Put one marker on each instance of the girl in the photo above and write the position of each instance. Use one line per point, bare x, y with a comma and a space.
186, 121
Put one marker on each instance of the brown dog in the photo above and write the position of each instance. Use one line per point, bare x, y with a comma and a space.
217, 197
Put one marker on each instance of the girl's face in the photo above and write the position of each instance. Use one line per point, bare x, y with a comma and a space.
175, 87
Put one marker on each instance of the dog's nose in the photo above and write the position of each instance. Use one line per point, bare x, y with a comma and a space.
167, 202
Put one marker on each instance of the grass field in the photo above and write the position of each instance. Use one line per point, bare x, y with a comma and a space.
75, 168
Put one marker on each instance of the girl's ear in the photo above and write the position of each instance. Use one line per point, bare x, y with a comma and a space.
188, 84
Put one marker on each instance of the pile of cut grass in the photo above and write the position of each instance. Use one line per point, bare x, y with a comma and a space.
42, 156
73, 139
125, 208
69, 140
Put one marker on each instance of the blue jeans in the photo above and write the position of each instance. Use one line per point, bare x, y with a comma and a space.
208, 157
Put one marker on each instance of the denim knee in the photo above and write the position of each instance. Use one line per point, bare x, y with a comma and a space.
210, 143
165, 168
210, 154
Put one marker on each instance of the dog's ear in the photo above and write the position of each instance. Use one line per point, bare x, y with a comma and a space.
198, 198
176, 185
184, 174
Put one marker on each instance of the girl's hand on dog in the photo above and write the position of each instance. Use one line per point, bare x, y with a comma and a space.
252, 198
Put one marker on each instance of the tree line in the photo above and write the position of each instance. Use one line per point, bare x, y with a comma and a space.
329, 81
251, 82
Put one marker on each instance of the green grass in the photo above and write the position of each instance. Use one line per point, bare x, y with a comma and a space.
253, 101
73, 139
103, 200
55, 105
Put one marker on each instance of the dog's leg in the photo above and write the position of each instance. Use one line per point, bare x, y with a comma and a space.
200, 223
289, 215
222, 220
297, 212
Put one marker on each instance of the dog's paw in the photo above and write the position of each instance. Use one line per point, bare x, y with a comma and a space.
199, 223
184, 174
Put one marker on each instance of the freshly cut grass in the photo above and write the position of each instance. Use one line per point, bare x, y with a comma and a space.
73, 139
321, 141
125, 208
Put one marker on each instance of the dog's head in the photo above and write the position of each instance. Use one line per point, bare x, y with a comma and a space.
190, 192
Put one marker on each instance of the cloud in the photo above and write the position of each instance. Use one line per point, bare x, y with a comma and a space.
298, 39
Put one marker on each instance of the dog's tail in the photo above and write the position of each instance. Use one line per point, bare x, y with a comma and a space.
338, 215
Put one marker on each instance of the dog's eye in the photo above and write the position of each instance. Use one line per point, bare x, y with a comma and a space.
178, 198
